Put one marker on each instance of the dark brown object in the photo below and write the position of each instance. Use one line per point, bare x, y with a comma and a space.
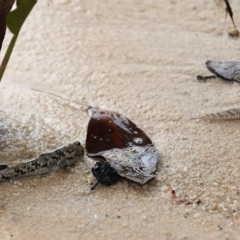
108, 130
5, 7
173, 194
229, 11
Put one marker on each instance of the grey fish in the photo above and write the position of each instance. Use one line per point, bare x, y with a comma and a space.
59, 158
229, 71
231, 114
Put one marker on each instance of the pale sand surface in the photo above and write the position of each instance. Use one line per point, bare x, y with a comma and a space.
139, 58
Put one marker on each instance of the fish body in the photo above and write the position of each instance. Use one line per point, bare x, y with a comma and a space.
59, 158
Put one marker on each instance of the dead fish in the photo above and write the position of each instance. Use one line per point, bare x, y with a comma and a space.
123, 148
59, 158
231, 114
229, 71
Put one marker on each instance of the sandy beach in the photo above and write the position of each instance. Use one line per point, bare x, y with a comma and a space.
141, 59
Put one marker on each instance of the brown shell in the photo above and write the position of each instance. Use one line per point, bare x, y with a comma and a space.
113, 137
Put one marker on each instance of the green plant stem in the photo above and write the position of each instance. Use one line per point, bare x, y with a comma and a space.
7, 55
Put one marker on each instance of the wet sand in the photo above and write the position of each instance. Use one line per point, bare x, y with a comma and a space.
141, 60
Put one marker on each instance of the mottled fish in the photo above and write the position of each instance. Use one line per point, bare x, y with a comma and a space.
59, 158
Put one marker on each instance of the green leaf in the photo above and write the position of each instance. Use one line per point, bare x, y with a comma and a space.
16, 18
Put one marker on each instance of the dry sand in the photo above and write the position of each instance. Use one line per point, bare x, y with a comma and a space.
139, 58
